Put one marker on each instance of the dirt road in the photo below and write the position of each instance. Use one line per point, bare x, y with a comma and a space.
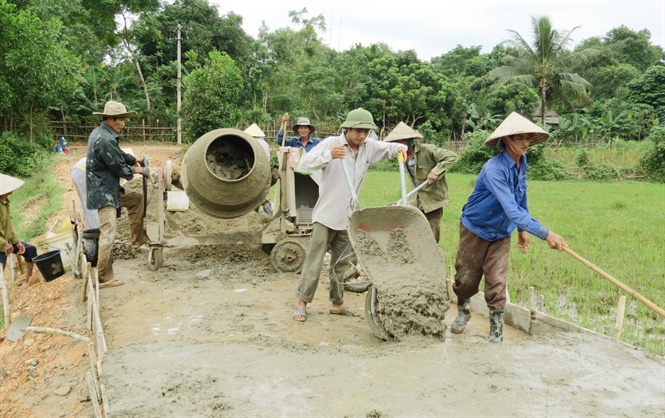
210, 334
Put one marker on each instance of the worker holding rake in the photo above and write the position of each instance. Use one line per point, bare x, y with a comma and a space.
497, 205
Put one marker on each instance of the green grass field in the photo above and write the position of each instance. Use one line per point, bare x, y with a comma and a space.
616, 226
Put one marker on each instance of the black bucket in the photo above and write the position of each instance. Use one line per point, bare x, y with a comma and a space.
50, 265
91, 245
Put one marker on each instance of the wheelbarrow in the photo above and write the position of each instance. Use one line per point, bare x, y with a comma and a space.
397, 251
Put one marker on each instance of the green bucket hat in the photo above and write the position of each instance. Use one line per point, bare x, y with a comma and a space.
359, 119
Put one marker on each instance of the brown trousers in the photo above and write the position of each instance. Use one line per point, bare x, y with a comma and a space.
107, 224
133, 201
476, 257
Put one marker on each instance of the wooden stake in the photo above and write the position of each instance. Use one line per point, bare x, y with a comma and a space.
620, 314
532, 301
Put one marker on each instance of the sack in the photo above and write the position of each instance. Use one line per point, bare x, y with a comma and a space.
298, 168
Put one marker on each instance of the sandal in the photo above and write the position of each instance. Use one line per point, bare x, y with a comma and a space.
300, 313
111, 283
345, 312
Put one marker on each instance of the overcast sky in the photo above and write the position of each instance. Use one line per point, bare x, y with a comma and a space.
434, 27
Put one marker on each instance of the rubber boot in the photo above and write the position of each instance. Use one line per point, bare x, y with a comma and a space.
496, 327
463, 315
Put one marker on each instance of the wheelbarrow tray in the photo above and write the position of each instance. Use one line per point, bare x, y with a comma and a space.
395, 247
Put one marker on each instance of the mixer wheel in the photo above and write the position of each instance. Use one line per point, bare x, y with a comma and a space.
288, 256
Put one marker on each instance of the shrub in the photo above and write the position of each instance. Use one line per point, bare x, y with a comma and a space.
19, 157
652, 163
549, 170
474, 155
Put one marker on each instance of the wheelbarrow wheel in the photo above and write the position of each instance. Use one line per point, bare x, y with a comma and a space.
155, 259
357, 287
288, 256
373, 314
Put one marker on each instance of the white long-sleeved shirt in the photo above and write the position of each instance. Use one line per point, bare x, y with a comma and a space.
334, 205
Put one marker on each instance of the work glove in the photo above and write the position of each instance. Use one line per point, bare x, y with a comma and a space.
146, 172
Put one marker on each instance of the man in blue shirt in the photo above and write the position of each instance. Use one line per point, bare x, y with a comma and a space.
303, 128
496, 207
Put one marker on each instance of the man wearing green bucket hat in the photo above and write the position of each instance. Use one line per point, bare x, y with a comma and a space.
330, 216
9, 240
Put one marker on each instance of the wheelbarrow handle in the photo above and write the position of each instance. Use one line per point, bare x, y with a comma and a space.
417, 189
400, 160
349, 182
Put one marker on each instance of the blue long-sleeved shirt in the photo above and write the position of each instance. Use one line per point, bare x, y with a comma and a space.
498, 203
295, 142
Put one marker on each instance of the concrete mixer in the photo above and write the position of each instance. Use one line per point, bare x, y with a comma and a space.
226, 174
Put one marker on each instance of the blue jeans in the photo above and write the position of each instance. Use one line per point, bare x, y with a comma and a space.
29, 254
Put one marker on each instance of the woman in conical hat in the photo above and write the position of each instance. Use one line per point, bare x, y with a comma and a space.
496, 207
9, 240
426, 162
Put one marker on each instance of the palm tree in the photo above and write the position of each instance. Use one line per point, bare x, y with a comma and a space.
544, 64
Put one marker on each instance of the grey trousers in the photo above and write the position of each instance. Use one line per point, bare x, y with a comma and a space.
477, 257
340, 247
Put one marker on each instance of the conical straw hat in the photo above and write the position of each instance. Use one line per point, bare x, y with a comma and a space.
402, 131
516, 124
255, 131
9, 184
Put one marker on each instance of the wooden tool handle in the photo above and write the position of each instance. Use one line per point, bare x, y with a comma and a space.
625, 288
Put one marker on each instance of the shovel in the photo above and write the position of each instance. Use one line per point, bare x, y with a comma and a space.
17, 328
22, 324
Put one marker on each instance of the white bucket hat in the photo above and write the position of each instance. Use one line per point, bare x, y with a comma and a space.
115, 110
9, 184
402, 131
516, 124
255, 131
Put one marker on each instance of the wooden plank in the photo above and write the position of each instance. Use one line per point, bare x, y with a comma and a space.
5, 298
105, 401
93, 365
13, 267
93, 395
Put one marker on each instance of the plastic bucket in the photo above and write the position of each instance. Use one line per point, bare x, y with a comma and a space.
91, 245
64, 242
50, 265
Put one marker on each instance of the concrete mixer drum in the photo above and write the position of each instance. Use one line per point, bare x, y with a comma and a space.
226, 174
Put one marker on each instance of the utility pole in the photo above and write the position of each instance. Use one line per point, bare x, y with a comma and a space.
179, 84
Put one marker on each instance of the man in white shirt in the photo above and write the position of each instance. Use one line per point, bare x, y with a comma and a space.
334, 206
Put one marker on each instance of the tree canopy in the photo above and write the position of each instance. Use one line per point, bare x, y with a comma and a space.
80, 53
